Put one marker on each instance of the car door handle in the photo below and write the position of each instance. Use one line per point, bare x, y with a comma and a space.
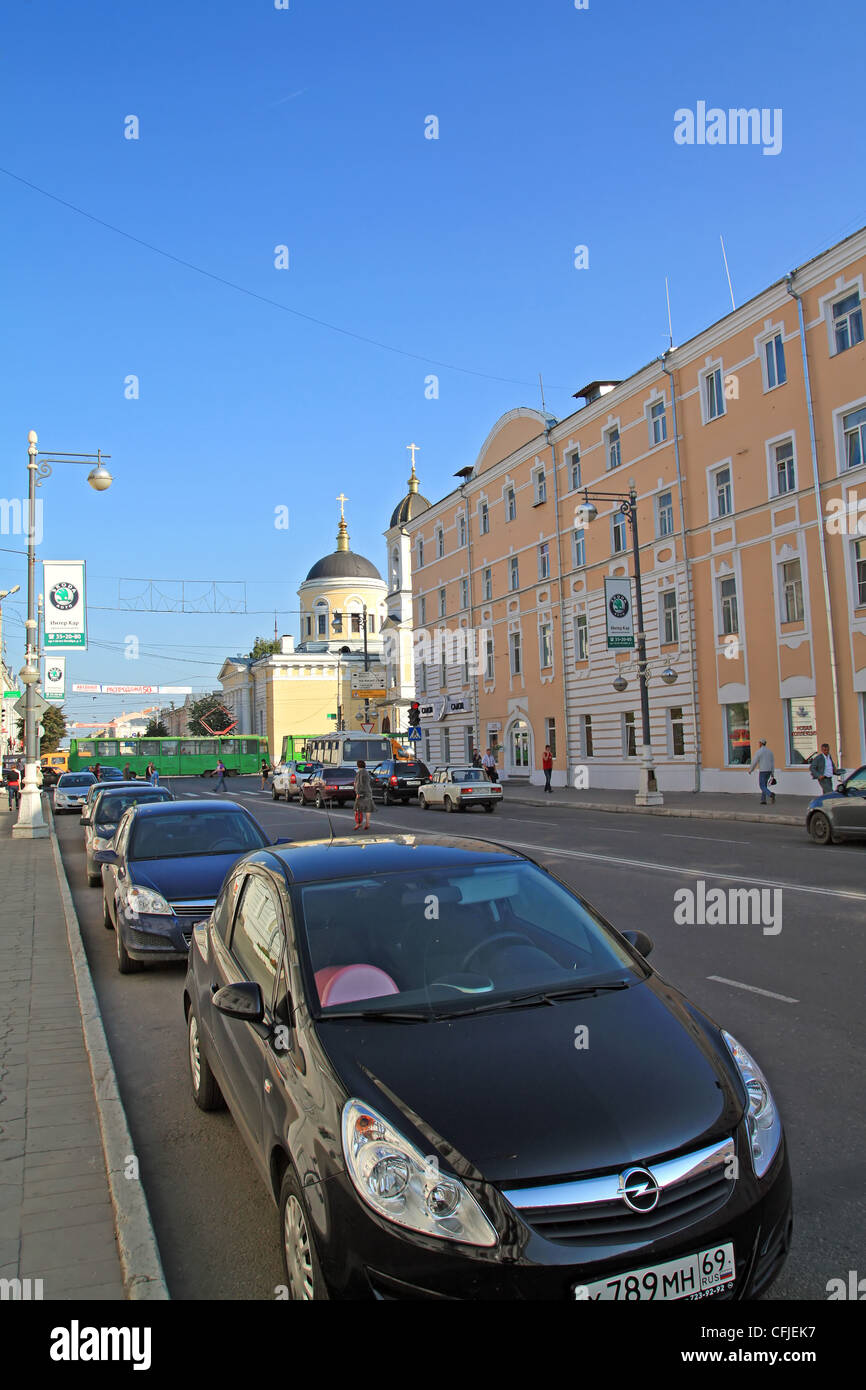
214, 986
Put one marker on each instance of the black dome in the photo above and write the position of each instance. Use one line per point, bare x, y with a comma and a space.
343, 564
413, 505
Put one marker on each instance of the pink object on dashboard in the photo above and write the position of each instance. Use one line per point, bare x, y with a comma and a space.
343, 984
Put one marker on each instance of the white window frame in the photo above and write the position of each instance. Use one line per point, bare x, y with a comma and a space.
489, 656
443, 602
510, 503
608, 442
539, 481
772, 471
587, 744
660, 534
578, 548
723, 601
545, 627
618, 520
629, 722
855, 562
838, 297
440, 543
793, 588
671, 722
712, 488
665, 610
464, 593
515, 648
513, 573
483, 517
714, 369
841, 453
488, 582
422, 609
776, 334
653, 404
544, 561
580, 629
573, 462
420, 551
461, 529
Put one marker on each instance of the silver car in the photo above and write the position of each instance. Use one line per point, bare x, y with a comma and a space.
287, 779
839, 815
71, 791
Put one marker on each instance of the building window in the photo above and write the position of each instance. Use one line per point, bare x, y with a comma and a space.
488, 583
420, 551
618, 533
665, 514
677, 732
446, 745
514, 572
729, 607
514, 652
721, 492
427, 746
356, 622
629, 738
848, 321
544, 561
510, 504
321, 624
461, 529
670, 623
774, 362
484, 518
545, 644
422, 609
738, 741
442, 603
464, 593
581, 637
860, 571
488, 656
613, 447
658, 423
540, 486
578, 548
792, 592
574, 468
586, 735
422, 677
854, 437
465, 663
550, 734
714, 396
309, 627
337, 623
801, 729
443, 666
783, 467
440, 543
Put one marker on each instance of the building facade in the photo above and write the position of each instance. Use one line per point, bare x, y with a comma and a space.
746, 447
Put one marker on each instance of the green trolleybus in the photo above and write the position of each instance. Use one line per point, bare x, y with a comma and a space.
172, 757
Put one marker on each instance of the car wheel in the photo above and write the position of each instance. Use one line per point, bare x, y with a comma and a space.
489, 806
106, 915
820, 829
423, 802
386, 798
304, 1278
93, 880
125, 964
205, 1091
449, 804
275, 796
320, 805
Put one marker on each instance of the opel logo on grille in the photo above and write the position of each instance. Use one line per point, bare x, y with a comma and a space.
638, 1189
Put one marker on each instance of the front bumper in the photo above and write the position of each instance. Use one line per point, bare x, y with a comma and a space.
155, 937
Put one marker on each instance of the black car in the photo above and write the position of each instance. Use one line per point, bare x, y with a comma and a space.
398, 781
458, 1081
328, 785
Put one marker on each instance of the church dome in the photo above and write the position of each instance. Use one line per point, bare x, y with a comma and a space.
413, 503
343, 563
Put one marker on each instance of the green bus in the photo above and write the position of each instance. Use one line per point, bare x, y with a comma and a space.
172, 757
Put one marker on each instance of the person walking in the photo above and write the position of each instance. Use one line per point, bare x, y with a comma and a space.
766, 766
221, 777
363, 796
126, 770
265, 773
822, 769
476, 758
547, 767
152, 775
13, 787
96, 771
488, 762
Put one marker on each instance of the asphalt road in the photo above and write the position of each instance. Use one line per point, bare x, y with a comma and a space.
789, 987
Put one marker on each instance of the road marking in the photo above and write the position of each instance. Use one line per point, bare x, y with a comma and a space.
711, 839
753, 989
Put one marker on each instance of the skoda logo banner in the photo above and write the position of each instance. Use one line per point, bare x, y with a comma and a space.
618, 613
65, 605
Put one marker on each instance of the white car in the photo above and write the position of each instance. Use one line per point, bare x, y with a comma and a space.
71, 791
287, 779
456, 788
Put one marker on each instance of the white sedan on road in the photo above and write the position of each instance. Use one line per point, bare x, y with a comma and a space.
455, 788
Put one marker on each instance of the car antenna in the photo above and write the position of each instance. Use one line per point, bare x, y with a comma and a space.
330, 825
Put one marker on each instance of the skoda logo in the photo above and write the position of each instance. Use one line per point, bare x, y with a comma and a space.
619, 605
638, 1189
55, 674
64, 596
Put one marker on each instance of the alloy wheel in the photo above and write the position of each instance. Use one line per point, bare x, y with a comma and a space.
299, 1255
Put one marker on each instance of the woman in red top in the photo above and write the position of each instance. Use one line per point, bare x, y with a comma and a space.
547, 767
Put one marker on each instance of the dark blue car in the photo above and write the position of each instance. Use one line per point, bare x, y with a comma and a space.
165, 870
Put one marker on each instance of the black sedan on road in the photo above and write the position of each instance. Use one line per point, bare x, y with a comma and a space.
839, 815
459, 1081
394, 781
328, 785
164, 870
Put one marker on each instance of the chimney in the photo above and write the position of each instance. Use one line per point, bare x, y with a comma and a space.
287, 644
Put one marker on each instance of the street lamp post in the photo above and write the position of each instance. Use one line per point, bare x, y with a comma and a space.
648, 793
31, 822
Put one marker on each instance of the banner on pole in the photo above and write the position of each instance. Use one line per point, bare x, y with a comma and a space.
55, 678
65, 605
618, 613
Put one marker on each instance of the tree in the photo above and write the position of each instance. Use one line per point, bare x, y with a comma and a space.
264, 646
156, 729
211, 708
53, 721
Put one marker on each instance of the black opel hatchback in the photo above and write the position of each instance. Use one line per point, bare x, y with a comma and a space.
459, 1081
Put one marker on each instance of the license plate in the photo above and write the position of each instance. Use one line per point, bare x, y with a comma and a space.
691, 1276
413, 781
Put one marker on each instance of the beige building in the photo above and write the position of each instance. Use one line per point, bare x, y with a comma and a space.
747, 450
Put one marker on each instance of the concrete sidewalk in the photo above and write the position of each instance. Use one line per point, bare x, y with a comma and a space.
787, 810
64, 1219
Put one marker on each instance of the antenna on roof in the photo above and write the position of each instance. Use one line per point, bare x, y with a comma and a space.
670, 324
541, 389
727, 272
330, 825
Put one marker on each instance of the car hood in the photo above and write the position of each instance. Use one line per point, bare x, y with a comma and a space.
199, 876
517, 1099
825, 798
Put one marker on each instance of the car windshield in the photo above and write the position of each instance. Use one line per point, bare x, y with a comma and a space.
409, 769
303, 767
451, 941
182, 834
467, 774
77, 779
111, 806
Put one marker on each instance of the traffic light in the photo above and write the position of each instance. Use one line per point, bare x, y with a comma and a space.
414, 714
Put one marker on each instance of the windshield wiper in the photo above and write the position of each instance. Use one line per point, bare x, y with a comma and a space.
383, 1015
536, 997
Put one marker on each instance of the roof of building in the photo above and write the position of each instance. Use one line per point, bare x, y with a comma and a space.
343, 563
413, 503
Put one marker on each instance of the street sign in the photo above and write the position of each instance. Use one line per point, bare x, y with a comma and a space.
330, 716
368, 728
11, 694
618, 613
367, 692
39, 705
414, 735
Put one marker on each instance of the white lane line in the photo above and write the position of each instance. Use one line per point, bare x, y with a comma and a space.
707, 839
753, 989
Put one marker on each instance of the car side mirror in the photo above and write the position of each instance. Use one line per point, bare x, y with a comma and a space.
105, 856
242, 1000
640, 941
85, 820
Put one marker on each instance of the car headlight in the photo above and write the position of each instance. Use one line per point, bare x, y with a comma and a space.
762, 1119
399, 1183
145, 900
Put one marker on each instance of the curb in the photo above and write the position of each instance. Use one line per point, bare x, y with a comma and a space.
685, 811
136, 1241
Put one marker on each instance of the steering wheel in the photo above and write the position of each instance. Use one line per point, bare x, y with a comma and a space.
490, 941
225, 843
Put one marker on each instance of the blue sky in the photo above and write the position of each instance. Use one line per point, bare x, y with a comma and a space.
262, 127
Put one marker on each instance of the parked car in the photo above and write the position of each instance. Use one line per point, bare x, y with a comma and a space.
841, 814
96, 789
649, 1165
71, 791
457, 788
102, 817
110, 774
287, 779
53, 766
328, 785
398, 780
164, 870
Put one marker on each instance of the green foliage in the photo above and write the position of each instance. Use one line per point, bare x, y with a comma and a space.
53, 722
202, 708
156, 729
264, 646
